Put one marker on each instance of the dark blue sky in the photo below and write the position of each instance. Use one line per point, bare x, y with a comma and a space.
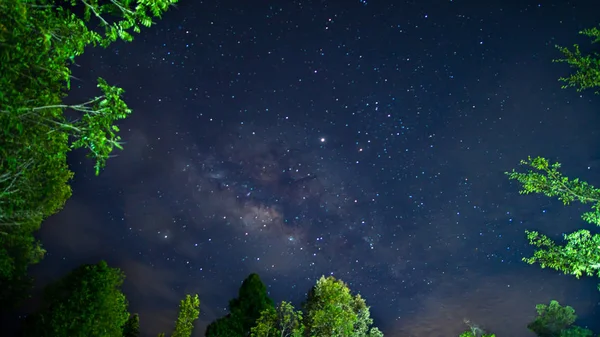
362, 139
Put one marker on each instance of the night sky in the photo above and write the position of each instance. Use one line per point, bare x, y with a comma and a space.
361, 139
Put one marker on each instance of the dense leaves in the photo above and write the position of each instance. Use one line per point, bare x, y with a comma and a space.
552, 320
87, 302
332, 311
555, 320
244, 310
38, 42
284, 321
188, 314
132, 326
587, 66
580, 254
545, 178
576, 331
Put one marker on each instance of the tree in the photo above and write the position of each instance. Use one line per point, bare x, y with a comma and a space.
87, 302
552, 319
39, 39
331, 310
132, 326
580, 255
188, 313
587, 66
284, 321
244, 310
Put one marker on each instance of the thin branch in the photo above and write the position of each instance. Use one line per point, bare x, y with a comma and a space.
123, 9
567, 189
95, 13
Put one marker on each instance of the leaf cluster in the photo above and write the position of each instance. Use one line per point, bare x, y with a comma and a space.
188, 314
87, 302
555, 320
580, 254
545, 178
39, 40
587, 66
283, 321
244, 310
329, 311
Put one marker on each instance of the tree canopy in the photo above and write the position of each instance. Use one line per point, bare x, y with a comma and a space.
332, 310
89, 302
587, 66
86, 302
244, 310
132, 326
39, 40
580, 253
283, 321
188, 314
555, 320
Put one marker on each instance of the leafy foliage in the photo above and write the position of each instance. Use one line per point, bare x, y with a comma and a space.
39, 39
552, 319
576, 331
587, 66
188, 313
284, 321
87, 302
546, 179
580, 255
132, 326
244, 310
331, 310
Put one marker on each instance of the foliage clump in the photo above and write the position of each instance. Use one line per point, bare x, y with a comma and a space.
244, 310
587, 66
39, 40
555, 320
580, 254
86, 302
89, 302
329, 311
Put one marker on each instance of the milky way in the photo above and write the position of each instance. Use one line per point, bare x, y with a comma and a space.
363, 139
291, 188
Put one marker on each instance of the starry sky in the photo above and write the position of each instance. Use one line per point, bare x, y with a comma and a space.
361, 139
